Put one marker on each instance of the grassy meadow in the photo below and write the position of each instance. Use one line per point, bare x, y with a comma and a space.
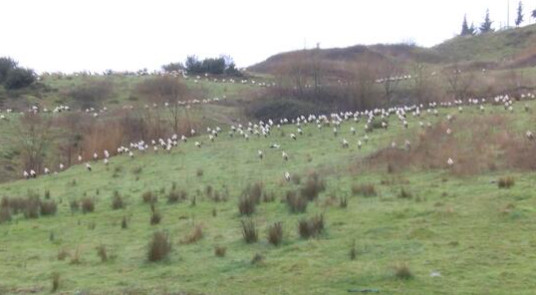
397, 220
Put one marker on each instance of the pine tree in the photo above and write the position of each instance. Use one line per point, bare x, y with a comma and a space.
472, 29
485, 27
534, 13
465, 27
519, 18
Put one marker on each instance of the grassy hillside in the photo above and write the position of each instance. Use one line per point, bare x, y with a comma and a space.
413, 224
503, 49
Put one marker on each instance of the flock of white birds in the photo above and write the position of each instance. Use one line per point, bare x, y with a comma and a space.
251, 129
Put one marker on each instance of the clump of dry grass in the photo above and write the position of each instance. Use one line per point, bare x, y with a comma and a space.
311, 228
275, 234
366, 190
249, 231
313, 187
194, 236
402, 271
296, 203
159, 247
246, 205
220, 251
506, 182
101, 252
149, 197
88, 205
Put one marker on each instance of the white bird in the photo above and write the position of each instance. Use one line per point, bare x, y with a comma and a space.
261, 155
293, 136
529, 135
359, 144
284, 155
26, 174
106, 161
198, 144
344, 143
88, 167
450, 162
131, 154
287, 176
61, 166
449, 132
79, 158
352, 129
46, 171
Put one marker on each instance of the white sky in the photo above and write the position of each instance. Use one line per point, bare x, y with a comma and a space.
95, 35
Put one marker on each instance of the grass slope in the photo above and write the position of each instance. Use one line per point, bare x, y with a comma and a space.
478, 237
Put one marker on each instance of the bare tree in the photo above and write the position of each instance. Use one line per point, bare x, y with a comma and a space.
389, 73
32, 138
458, 82
168, 91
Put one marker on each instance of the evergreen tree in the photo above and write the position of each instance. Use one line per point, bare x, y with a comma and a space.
534, 13
519, 18
485, 27
465, 27
472, 29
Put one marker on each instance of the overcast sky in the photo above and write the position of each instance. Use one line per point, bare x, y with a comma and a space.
95, 35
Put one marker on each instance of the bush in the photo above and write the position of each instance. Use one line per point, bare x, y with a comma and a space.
149, 197
124, 223
404, 194
295, 203
313, 187
194, 236
92, 93
62, 254
101, 252
88, 205
275, 234
312, 227
48, 208
249, 232
175, 196
246, 206
506, 182
366, 190
254, 191
19, 78
159, 246
156, 217
220, 251
6, 65
117, 201
403, 272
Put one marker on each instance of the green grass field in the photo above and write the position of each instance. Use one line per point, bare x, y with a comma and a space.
456, 234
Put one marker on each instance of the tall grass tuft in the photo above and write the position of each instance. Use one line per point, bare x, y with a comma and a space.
159, 247
311, 228
275, 234
249, 231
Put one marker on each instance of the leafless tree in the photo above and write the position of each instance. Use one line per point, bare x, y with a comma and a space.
458, 82
167, 91
33, 137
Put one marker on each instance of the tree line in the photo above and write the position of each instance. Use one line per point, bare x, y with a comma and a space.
486, 25
223, 65
12, 76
